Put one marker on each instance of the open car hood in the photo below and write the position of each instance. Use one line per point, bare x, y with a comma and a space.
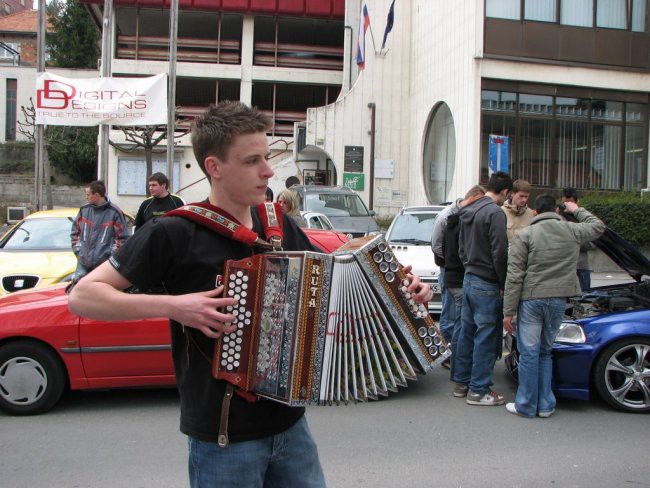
623, 254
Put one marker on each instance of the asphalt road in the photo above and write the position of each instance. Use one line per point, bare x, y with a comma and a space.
421, 437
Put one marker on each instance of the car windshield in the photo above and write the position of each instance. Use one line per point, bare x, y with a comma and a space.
42, 234
336, 204
412, 228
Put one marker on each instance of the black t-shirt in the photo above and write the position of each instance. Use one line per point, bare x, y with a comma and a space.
186, 257
156, 207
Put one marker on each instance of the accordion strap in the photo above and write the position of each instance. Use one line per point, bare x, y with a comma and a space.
225, 409
226, 225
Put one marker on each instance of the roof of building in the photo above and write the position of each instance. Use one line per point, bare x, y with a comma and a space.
25, 21
327, 9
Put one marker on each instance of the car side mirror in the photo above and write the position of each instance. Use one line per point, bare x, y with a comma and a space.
372, 213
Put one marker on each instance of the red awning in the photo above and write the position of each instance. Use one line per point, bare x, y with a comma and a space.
322, 9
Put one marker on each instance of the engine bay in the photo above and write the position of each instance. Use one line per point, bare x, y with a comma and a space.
616, 298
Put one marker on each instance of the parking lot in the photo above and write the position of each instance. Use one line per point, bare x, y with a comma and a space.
420, 437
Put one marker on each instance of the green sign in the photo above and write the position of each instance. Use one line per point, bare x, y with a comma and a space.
354, 181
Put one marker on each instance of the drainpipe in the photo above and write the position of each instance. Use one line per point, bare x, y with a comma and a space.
371, 183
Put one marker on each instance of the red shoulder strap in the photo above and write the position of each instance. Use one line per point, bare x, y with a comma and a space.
225, 224
271, 216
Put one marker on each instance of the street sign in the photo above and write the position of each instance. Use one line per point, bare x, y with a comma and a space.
499, 153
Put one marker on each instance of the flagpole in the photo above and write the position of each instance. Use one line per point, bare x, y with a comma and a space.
374, 47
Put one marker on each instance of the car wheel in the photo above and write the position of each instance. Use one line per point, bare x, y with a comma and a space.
32, 378
622, 375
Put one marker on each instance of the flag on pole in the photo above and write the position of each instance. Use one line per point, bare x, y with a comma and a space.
389, 23
364, 23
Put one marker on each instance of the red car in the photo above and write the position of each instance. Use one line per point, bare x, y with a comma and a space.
44, 348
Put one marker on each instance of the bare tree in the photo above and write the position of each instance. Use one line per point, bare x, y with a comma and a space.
147, 138
57, 138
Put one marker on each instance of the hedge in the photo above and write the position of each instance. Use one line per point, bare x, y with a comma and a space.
625, 213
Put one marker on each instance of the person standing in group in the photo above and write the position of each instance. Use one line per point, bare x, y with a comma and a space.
541, 275
159, 203
437, 247
455, 271
269, 195
518, 215
288, 200
483, 249
232, 442
98, 230
583, 268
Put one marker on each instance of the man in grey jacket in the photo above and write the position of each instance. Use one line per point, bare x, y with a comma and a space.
483, 249
98, 230
541, 274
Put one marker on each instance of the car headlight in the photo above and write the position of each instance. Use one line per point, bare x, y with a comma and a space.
571, 333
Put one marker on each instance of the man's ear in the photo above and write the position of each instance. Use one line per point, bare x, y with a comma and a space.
212, 166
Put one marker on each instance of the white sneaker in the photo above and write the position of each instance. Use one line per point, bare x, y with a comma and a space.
545, 415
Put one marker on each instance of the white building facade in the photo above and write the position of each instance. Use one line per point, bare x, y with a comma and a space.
565, 85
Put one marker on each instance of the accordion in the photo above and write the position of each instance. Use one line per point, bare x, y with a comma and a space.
321, 329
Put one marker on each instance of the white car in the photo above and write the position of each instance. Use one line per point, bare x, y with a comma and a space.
317, 220
409, 235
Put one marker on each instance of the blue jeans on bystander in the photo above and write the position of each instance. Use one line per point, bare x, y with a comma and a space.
446, 313
584, 276
286, 459
538, 323
479, 340
456, 297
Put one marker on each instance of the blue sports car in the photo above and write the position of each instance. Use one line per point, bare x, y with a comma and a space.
604, 343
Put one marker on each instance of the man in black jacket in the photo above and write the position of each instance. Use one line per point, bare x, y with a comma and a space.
483, 248
454, 269
159, 203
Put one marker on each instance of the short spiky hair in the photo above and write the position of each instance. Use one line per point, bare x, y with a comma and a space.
97, 186
499, 181
521, 185
545, 203
213, 132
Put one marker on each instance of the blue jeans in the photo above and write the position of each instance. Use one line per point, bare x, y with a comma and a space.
446, 314
480, 334
584, 277
537, 326
286, 459
456, 297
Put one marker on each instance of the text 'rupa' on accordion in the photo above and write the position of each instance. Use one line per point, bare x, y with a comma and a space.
317, 329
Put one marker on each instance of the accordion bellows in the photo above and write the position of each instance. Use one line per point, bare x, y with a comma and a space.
321, 329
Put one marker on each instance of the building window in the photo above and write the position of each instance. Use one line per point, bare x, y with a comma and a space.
132, 175
9, 52
10, 120
540, 10
439, 157
611, 13
288, 103
535, 134
558, 141
503, 9
577, 12
639, 15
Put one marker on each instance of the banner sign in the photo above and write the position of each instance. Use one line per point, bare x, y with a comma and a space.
499, 152
94, 101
